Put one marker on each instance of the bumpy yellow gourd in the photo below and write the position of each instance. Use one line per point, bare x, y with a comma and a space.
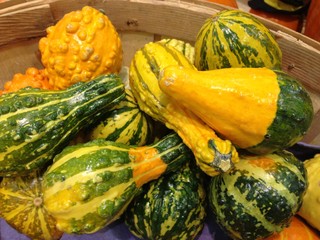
81, 46
310, 209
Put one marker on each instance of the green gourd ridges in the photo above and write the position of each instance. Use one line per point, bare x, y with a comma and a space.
124, 123
259, 196
171, 207
36, 124
90, 185
233, 38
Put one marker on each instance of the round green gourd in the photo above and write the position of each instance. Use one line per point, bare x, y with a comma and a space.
234, 38
259, 196
171, 207
21, 204
124, 123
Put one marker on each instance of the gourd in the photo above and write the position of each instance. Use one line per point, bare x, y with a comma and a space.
257, 109
33, 77
280, 6
259, 196
297, 230
184, 47
35, 124
312, 26
213, 155
22, 207
229, 3
293, 22
90, 185
170, 207
82, 45
234, 38
310, 209
124, 123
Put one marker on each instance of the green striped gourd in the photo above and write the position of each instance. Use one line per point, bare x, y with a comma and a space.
234, 38
171, 207
36, 124
124, 123
212, 154
259, 196
90, 185
21, 205
184, 47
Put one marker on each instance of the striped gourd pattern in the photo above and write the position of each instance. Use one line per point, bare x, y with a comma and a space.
90, 185
173, 207
233, 38
124, 123
259, 196
35, 124
22, 207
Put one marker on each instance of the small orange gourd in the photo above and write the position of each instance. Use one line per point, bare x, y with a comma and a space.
33, 77
81, 46
297, 230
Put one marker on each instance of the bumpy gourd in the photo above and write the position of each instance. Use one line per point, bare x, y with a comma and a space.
259, 196
33, 77
35, 124
21, 204
310, 209
213, 154
234, 38
90, 185
124, 123
170, 207
81, 46
257, 109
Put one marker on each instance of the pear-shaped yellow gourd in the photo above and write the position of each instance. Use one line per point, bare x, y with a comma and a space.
257, 109
213, 154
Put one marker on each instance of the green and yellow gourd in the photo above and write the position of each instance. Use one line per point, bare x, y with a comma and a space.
184, 47
90, 185
36, 124
170, 207
259, 196
124, 123
212, 154
234, 38
21, 204
257, 109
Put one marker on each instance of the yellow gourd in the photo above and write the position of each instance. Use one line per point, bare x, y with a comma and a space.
257, 109
213, 154
82, 45
310, 209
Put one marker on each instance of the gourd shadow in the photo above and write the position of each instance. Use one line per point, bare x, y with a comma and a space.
211, 230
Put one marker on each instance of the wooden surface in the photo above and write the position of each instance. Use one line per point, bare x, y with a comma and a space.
141, 21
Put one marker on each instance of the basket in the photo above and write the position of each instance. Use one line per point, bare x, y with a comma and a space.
23, 23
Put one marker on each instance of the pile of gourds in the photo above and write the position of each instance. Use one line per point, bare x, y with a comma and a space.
81, 148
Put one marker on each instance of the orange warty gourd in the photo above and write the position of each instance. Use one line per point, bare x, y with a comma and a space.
82, 45
297, 230
33, 77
